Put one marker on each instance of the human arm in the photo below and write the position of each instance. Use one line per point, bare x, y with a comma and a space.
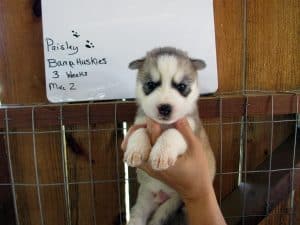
204, 211
189, 177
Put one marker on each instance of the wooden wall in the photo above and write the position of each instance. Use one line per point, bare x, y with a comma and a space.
258, 48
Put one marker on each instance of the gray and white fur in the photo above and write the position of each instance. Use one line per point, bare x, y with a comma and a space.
166, 90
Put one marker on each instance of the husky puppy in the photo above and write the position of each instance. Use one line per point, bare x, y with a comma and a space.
166, 90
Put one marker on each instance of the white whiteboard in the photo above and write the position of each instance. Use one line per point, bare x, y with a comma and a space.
88, 44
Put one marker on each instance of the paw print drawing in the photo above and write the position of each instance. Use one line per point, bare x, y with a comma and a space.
75, 34
89, 44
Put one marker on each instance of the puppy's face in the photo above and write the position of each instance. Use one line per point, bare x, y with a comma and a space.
167, 86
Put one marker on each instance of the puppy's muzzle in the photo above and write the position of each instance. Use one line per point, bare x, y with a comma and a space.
164, 111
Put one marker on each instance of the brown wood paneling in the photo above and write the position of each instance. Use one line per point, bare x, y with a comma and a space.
228, 153
228, 16
81, 204
273, 44
48, 117
28, 207
54, 204
272, 63
279, 215
21, 54
49, 158
259, 139
106, 166
106, 203
22, 158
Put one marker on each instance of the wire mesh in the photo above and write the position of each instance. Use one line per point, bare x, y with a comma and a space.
115, 180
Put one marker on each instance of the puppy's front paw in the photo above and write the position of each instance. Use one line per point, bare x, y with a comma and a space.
138, 148
161, 156
166, 149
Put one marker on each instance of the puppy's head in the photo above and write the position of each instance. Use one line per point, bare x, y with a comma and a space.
167, 88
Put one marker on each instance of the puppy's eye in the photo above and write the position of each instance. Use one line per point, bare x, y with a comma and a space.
149, 86
181, 87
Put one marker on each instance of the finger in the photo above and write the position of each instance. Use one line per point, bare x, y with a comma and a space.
129, 133
154, 130
185, 129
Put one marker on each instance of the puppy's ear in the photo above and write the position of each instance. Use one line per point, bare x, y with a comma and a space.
199, 64
136, 64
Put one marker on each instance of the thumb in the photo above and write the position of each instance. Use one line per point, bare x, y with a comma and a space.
154, 130
185, 129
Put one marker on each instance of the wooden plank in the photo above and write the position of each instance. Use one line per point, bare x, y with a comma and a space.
264, 105
19, 119
106, 168
49, 158
21, 54
273, 45
270, 44
27, 203
75, 116
103, 171
209, 108
279, 215
78, 156
46, 118
103, 114
228, 159
81, 204
259, 138
272, 53
104, 155
228, 16
106, 202
22, 164
54, 204
126, 112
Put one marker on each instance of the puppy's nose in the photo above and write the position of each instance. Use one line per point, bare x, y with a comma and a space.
165, 110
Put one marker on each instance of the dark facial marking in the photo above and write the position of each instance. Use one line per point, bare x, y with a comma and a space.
149, 86
183, 87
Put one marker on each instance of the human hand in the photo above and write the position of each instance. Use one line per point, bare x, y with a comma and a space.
190, 174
